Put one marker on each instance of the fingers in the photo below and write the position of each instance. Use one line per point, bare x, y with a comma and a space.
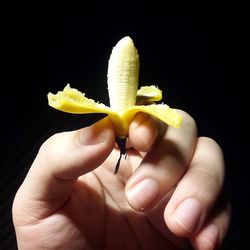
197, 191
144, 132
188, 213
61, 160
213, 231
164, 165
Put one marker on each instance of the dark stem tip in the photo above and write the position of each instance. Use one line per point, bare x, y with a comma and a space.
121, 143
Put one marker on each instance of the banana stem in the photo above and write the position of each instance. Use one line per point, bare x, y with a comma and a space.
121, 143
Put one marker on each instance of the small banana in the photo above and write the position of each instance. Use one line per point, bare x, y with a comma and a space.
125, 99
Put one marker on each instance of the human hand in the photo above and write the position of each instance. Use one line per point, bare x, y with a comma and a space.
165, 195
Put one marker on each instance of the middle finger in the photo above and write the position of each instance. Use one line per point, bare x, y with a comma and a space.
163, 166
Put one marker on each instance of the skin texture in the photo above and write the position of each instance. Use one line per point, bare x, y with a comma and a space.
166, 194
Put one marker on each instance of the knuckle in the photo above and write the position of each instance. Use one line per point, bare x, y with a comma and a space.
48, 147
212, 142
215, 154
213, 180
189, 121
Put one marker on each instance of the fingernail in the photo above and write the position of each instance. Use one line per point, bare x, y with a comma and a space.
149, 122
152, 128
140, 119
209, 237
187, 214
94, 134
143, 194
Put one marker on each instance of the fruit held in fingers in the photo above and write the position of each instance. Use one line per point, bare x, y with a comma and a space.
125, 98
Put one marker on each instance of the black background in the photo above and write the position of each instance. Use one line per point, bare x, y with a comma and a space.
200, 62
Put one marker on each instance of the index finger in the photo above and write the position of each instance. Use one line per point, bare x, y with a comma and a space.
60, 161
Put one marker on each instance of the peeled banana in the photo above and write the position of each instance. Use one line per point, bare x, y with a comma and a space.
125, 98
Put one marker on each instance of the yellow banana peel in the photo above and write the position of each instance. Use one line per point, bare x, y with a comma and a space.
125, 98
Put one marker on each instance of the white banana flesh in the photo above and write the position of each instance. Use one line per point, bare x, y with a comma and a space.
123, 75
125, 100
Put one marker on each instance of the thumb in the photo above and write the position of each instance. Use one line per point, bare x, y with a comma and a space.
62, 159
